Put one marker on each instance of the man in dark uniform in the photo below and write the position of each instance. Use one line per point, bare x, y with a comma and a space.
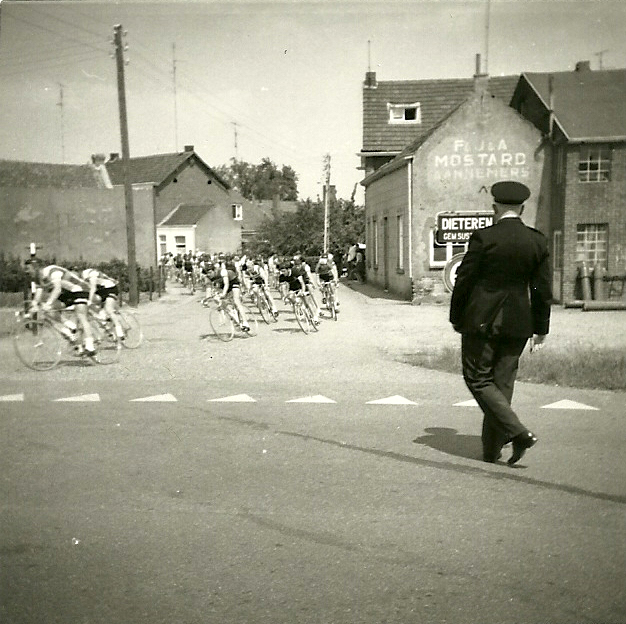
501, 298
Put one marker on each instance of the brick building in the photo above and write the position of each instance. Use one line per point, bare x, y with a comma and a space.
583, 117
563, 134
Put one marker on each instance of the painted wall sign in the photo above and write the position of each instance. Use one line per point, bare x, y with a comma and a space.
483, 160
457, 227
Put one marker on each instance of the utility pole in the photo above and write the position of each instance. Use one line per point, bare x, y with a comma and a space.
486, 67
133, 292
326, 199
60, 105
175, 98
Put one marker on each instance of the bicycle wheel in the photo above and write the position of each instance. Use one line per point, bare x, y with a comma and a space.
252, 323
222, 324
38, 345
266, 312
301, 316
133, 334
107, 344
331, 305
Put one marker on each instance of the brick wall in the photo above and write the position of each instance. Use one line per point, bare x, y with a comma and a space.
594, 203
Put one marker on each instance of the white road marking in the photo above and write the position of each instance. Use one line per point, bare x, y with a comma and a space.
571, 405
469, 403
81, 397
157, 398
318, 398
392, 400
235, 398
12, 397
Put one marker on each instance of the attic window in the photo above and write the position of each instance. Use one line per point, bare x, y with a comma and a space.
405, 113
237, 212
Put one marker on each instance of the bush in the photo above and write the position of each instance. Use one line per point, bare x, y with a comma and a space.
13, 277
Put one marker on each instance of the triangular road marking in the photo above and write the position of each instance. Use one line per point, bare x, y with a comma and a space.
469, 403
81, 397
567, 404
158, 398
392, 400
236, 398
318, 398
12, 397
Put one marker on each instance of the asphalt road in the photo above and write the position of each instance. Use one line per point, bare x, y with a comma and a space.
298, 479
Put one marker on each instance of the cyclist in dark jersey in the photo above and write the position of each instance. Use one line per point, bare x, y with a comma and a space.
231, 286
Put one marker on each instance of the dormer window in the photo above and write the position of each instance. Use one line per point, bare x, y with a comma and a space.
405, 113
237, 212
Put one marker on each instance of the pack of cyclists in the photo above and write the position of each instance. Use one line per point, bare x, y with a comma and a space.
221, 275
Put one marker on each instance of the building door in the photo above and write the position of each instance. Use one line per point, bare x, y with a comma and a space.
386, 251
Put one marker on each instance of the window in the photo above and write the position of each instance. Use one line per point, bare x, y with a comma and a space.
162, 245
181, 244
405, 113
439, 255
594, 164
400, 228
237, 212
592, 243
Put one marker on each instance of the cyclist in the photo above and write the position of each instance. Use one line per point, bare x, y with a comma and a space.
259, 279
301, 267
326, 270
62, 287
188, 268
107, 290
296, 280
230, 285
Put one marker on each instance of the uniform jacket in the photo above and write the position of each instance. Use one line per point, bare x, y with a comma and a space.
502, 287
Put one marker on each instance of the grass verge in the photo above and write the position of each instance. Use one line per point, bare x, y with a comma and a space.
579, 367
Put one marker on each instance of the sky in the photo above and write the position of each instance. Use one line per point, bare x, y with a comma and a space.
253, 80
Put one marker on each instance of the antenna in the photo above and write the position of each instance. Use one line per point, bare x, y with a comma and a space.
235, 129
60, 105
600, 55
486, 71
369, 55
175, 103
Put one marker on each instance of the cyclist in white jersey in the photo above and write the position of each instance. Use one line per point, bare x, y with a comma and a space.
105, 290
61, 286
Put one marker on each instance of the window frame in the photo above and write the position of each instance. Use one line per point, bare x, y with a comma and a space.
450, 251
591, 246
400, 235
396, 119
594, 164
237, 212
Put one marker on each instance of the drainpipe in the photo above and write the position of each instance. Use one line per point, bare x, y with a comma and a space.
410, 214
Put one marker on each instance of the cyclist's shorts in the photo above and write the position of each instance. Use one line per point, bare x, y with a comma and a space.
70, 298
295, 286
189, 268
325, 277
104, 293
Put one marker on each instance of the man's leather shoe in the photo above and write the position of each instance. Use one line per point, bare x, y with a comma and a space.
521, 443
492, 459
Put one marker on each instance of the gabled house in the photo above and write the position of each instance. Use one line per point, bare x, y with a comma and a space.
397, 112
464, 138
582, 114
189, 196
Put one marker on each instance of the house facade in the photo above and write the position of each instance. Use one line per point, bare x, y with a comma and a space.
422, 205
582, 114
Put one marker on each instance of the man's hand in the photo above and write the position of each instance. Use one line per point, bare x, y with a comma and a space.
537, 342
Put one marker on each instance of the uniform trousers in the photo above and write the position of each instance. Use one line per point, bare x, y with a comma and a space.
489, 369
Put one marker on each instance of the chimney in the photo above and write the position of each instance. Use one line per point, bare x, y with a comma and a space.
481, 81
583, 66
113, 156
370, 80
189, 148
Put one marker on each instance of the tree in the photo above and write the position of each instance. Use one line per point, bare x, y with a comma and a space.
303, 231
262, 181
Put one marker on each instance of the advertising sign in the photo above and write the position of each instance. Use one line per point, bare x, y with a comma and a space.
457, 227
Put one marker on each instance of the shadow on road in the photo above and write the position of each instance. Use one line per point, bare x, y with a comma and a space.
449, 441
